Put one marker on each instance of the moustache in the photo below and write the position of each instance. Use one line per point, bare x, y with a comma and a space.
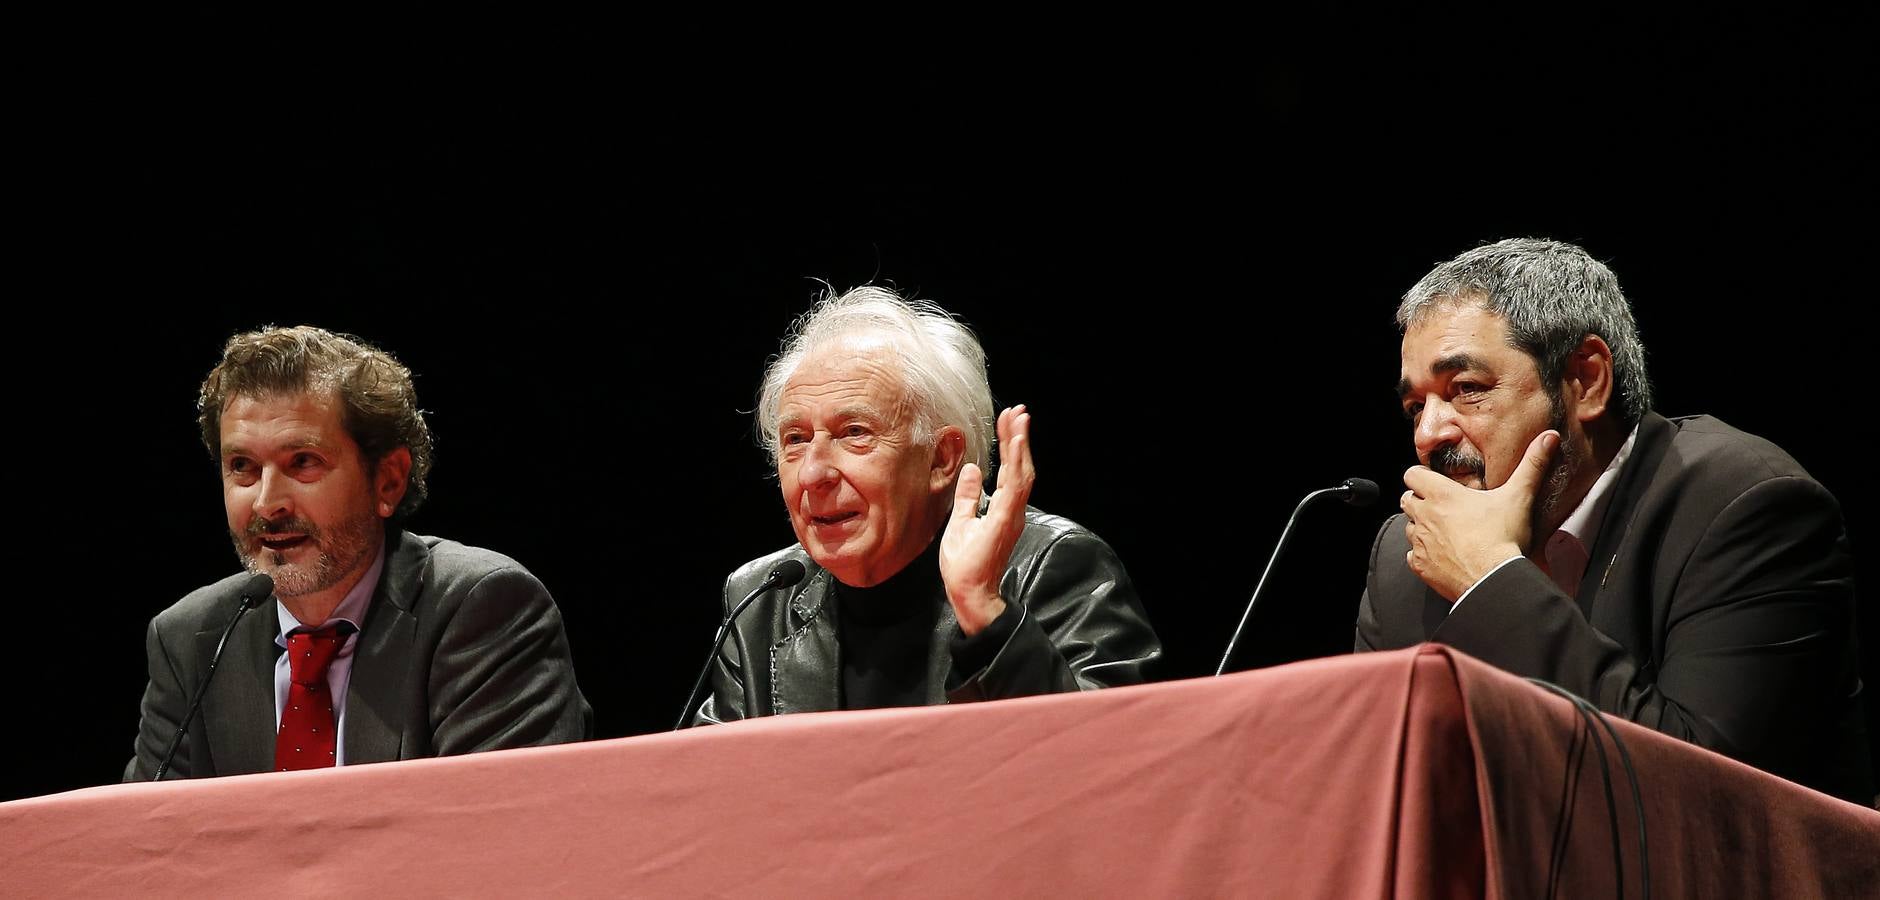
295, 525
1448, 460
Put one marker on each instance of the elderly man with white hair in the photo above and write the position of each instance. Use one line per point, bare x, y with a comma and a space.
919, 589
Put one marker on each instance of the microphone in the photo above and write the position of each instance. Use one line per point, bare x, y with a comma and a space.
1354, 491
258, 588
782, 575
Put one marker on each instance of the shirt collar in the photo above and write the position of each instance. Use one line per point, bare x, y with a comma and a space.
1584, 523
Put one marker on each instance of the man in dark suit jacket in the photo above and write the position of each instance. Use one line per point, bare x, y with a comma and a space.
431, 647
1679, 573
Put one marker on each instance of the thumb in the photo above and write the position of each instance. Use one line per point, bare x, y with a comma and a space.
966, 492
1528, 476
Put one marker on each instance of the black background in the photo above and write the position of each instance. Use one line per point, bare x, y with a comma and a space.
1181, 247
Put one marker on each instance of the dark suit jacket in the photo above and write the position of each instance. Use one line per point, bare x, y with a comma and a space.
1080, 628
461, 650
1717, 607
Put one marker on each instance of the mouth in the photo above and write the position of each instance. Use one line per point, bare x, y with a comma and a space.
1468, 478
1456, 465
832, 519
282, 542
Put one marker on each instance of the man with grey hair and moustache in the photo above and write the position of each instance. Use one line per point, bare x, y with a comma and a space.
1675, 572
380, 644
919, 589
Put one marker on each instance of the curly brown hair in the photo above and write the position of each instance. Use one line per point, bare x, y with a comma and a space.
378, 404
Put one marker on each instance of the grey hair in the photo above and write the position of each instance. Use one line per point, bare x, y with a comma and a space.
943, 367
1552, 295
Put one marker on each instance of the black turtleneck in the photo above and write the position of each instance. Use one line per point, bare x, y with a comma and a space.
886, 630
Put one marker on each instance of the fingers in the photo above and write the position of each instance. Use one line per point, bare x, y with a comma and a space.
1423, 481
966, 492
1017, 454
1528, 476
1007, 509
1015, 463
1008, 418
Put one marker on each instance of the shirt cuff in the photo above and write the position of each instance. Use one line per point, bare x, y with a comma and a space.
1478, 583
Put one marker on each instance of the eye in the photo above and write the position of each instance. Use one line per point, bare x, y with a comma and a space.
1468, 388
1412, 410
241, 470
855, 431
793, 437
305, 460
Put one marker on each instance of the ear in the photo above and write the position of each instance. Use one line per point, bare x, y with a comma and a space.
949, 454
390, 481
1586, 386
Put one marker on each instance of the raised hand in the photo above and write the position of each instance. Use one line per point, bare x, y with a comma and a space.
975, 549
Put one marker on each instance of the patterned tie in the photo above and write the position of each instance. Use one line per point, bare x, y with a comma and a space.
307, 736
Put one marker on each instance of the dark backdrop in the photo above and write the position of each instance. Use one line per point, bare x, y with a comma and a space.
1184, 261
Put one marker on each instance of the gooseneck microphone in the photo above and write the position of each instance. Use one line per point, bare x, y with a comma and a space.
782, 575
1355, 491
258, 588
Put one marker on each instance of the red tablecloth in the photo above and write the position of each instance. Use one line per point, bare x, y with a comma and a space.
1419, 772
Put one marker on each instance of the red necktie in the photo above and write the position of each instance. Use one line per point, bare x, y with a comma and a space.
308, 735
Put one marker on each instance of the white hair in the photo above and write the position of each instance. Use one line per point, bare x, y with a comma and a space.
942, 365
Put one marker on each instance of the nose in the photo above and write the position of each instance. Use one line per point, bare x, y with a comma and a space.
273, 497
819, 467
1436, 426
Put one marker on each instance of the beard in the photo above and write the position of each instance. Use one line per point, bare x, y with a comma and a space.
1449, 460
1453, 462
1553, 487
341, 551
1566, 461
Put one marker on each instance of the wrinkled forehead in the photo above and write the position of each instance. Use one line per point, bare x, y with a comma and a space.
862, 368
1455, 337
1453, 326
322, 401
297, 418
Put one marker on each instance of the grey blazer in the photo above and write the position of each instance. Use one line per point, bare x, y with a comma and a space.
461, 650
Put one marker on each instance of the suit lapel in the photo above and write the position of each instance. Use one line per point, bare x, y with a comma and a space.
382, 657
1654, 439
238, 710
808, 661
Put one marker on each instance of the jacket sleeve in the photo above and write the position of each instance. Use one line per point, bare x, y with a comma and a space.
1080, 627
162, 710
1753, 638
1369, 634
503, 675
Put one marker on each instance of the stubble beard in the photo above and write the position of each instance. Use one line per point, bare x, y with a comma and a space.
1549, 497
341, 551
1560, 469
